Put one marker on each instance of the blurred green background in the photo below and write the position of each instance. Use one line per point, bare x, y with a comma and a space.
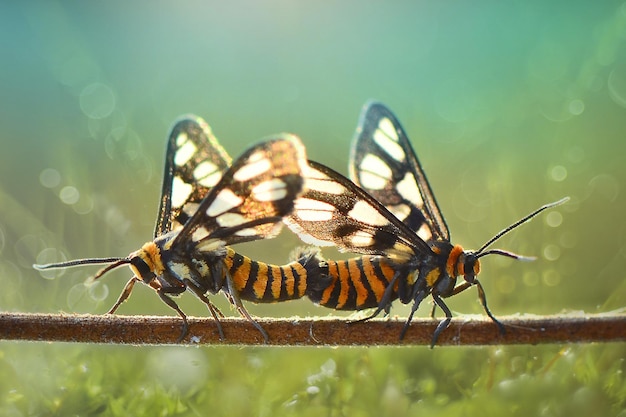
509, 105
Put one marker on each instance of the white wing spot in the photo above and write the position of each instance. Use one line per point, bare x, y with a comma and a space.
271, 190
199, 234
182, 138
184, 153
257, 165
388, 128
211, 245
315, 180
230, 219
224, 201
361, 239
246, 232
190, 209
207, 174
424, 232
367, 214
389, 143
309, 210
401, 211
409, 190
180, 191
374, 172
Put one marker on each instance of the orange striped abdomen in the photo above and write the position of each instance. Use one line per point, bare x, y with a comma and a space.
354, 284
260, 282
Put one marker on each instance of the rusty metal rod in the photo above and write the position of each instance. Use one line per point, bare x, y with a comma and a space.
463, 331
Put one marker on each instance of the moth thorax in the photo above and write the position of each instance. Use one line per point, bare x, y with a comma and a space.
462, 263
146, 263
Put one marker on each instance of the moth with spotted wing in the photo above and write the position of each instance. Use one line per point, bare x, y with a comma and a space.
390, 215
207, 204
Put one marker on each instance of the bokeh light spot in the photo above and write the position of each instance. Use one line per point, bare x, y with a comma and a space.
551, 278
530, 279
69, 195
551, 252
97, 290
97, 101
178, 368
50, 178
554, 219
605, 185
576, 154
576, 107
84, 205
558, 173
616, 84
47, 256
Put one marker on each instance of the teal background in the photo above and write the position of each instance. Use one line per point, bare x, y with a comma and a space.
509, 105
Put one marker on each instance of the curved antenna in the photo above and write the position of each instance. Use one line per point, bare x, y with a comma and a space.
114, 263
479, 253
76, 262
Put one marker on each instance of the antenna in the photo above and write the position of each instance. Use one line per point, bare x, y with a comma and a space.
481, 252
114, 263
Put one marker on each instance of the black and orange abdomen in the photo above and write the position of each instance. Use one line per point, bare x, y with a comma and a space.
353, 284
260, 282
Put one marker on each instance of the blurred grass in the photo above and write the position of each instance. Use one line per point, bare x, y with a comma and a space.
509, 106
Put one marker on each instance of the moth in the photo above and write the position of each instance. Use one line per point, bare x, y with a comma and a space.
389, 214
208, 203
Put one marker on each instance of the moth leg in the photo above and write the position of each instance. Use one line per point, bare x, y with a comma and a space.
215, 312
482, 298
416, 303
385, 301
483, 301
443, 324
459, 288
128, 288
170, 302
233, 296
